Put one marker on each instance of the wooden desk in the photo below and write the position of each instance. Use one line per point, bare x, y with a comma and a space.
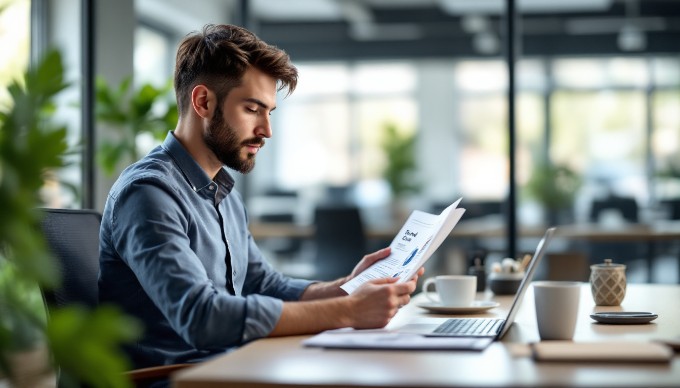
284, 362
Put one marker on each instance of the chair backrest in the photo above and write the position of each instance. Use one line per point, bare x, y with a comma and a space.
673, 206
626, 205
73, 238
340, 240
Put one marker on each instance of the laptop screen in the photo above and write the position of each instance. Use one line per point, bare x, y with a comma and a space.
533, 264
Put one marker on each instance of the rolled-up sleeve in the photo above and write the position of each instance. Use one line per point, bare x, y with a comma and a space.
262, 314
268, 288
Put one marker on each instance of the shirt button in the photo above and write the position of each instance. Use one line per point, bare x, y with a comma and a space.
233, 272
211, 187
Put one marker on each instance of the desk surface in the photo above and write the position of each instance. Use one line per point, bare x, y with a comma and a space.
278, 362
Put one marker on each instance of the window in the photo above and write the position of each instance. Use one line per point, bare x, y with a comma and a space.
601, 134
152, 57
666, 143
153, 64
591, 73
593, 110
330, 130
599, 126
482, 112
15, 43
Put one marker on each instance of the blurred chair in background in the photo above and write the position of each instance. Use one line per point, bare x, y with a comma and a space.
673, 207
626, 206
614, 211
287, 253
284, 248
340, 240
339, 195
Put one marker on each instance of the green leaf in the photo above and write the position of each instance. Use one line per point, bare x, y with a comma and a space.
22, 316
553, 185
108, 155
131, 113
143, 100
123, 88
399, 148
86, 343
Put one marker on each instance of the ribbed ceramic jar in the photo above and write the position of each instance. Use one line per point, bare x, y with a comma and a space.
608, 283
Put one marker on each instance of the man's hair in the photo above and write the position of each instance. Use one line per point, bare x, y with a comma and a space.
219, 56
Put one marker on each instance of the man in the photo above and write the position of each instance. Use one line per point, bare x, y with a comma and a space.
175, 248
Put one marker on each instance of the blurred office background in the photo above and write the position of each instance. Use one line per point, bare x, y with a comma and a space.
596, 114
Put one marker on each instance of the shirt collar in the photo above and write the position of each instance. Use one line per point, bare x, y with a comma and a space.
193, 172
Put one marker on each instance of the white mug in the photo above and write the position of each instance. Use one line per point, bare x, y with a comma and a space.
556, 308
453, 290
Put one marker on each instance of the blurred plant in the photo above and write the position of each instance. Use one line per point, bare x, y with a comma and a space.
131, 113
400, 150
85, 345
554, 186
671, 170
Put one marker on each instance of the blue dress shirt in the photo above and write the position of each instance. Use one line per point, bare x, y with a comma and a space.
169, 235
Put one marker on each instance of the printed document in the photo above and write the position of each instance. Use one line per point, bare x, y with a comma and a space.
385, 339
416, 241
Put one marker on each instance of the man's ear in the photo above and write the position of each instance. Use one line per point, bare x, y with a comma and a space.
203, 101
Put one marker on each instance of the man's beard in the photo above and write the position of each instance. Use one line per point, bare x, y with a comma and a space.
222, 140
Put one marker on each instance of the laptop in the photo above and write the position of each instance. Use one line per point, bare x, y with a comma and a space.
484, 329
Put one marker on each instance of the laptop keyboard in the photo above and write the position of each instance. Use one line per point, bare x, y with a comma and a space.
469, 327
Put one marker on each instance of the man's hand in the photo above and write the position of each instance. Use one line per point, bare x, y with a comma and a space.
372, 258
332, 289
371, 306
367, 261
375, 303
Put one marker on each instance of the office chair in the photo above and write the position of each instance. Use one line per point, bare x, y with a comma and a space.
627, 206
673, 206
340, 240
621, 252
73, 238
283, 248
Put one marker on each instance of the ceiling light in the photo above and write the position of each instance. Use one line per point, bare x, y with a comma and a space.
631, 38
463, 7
474, 23
486, 43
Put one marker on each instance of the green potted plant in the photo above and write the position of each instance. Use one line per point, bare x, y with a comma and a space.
667, 177
84, 345
131, 113
554, 186
399, 148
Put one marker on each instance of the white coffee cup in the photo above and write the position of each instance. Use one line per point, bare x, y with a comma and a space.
453, 290
556, 308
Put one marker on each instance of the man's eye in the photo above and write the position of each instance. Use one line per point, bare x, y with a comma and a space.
251, 110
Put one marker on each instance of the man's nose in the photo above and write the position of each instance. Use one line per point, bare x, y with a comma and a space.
264, 127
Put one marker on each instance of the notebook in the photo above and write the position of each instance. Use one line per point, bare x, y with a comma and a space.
482, 328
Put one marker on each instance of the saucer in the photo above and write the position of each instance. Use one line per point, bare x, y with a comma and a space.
475, 307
